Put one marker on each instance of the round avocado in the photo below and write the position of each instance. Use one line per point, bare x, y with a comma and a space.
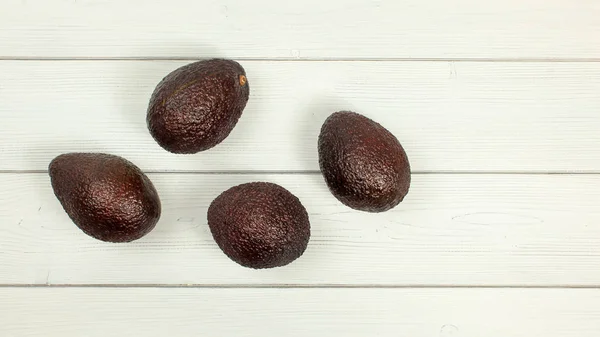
195, 107
363, 164
106, 196
259, 225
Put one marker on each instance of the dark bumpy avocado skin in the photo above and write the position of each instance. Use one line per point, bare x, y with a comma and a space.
106, 196
259, 225
195, 107
364, 165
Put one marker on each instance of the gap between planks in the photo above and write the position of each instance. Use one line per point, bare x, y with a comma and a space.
301, 286
292, 59
313, 172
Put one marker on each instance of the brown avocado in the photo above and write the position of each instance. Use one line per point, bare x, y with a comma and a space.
259, 225
196, 107
363, 164
106, 196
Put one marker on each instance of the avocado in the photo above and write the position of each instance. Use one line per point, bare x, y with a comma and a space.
106, 196
195, 107
259, 225
363, 164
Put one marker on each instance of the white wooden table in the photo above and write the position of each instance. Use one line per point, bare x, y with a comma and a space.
496, 102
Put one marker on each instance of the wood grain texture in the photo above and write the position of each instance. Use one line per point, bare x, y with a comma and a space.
456, 116
300, 312
302, 29
468, 86
468, 230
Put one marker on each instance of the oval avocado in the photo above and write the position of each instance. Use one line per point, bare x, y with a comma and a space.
196, 107
106, 196
259, 225
363, 164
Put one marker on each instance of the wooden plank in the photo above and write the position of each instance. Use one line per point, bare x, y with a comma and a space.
305, 29
451, 230
467, 117
300, 312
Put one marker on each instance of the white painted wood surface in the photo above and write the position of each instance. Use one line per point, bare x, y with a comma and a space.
300, 29
450, 116
468, 230
496, 102
301, 312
